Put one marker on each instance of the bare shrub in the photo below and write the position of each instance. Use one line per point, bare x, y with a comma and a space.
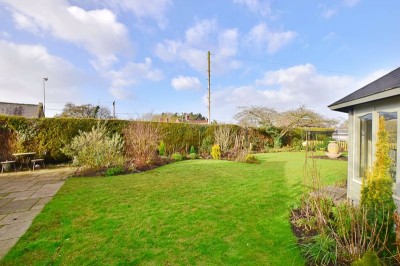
356, 234
223, 137
397, 223
141, 143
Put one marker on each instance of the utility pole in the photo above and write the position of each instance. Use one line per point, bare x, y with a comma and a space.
44, 95
114, 109
209, 87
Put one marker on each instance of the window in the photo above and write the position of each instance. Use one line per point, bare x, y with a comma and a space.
365, 144
391, 128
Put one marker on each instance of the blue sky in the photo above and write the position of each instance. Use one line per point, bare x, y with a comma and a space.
150, 56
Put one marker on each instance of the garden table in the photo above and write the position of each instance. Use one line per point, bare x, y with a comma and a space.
24, 158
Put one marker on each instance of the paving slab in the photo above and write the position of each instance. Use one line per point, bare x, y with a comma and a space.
14, 230
6, 245
19, 217
48, 190
18, 205
22, 196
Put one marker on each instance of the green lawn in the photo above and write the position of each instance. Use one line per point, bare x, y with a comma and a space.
192, 212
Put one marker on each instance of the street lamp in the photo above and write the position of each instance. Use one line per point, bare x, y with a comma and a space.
44, 95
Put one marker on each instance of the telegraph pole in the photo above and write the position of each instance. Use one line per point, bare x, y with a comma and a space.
209, 87
114, 109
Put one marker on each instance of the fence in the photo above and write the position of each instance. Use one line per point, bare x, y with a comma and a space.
342, 144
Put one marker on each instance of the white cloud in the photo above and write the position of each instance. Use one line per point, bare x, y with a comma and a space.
154, 9
330, 36
263, 7
264, 38
350, 3
287, 88
129, 75
329, 12
204, 36
22, 68
97, 31
186, 83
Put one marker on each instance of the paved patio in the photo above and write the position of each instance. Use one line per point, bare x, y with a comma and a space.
22, 196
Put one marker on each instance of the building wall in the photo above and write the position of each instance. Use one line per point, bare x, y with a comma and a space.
354, 178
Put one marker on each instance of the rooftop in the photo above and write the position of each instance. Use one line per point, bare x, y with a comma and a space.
386, 86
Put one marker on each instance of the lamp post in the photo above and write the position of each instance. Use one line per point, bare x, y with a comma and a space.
44, 95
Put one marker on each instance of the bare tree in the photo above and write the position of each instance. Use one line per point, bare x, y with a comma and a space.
278, 124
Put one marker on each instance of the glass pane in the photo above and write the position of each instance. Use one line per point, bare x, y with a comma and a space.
391, 128
365, 143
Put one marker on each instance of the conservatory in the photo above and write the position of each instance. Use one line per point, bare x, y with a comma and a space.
381, 98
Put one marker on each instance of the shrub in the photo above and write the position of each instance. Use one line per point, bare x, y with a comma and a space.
376, 192
223, 136
177, 157
369, 259
321, 250
192, 156
250, 158
206, 145
216, 152
115, 171
161, 149
141, 143
96, 149
192, 150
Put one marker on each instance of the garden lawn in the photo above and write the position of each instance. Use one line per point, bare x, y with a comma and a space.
192, 212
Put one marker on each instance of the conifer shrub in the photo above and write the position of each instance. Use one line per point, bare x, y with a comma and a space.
376, 192
161, 148
216, 152
192, 149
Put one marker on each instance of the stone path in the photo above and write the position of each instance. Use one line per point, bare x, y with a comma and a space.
22, 196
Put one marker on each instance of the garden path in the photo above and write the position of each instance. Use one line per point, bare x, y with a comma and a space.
22, 196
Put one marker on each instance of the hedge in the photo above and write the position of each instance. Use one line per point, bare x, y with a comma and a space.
47, 136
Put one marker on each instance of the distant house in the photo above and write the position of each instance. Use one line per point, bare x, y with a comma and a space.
186, 119
365, 106
21, 109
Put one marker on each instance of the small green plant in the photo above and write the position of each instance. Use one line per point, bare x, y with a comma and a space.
114, 171
161, 148
216, 152
192, 156
177, 157
250, 158
370, 258
321, 250
206, 145
192, 149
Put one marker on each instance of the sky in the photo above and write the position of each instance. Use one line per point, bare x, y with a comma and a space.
150, 56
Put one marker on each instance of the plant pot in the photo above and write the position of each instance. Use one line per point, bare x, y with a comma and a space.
333, 147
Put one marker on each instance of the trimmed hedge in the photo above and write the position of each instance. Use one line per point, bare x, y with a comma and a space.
47, 136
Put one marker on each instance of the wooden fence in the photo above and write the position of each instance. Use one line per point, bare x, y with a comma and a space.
342, 144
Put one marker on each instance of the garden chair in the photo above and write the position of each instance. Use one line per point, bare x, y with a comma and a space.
38, 161
7, 164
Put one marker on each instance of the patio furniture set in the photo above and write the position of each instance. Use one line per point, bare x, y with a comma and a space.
25, 159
